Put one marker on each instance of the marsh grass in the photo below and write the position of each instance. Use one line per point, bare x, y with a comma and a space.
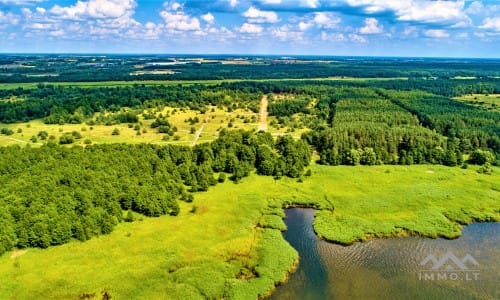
231, 247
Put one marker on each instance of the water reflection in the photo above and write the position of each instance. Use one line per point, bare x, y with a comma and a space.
387, 268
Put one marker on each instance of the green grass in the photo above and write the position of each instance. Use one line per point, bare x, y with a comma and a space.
231, 246
488, 102
99, 134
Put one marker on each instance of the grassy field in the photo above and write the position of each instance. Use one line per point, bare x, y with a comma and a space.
488, 102
212, 121
227, 243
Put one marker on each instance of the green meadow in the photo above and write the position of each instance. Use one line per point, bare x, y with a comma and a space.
227, 244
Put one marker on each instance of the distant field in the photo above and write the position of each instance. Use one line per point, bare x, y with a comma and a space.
184, 82
217, 245
488, 102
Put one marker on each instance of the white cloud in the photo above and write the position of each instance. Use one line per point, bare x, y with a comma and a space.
371, 27
209, 18
475, 7
40, 10
251, 28
233, 3
311, 3
270, 1
303, 26
58, 33
409, 30
336, 37
98, 9
255, 15
423, 11
326, 20
437, 33
177, 20
357, 38
180, 21
8, 19
491, 24
285, 33
20, 2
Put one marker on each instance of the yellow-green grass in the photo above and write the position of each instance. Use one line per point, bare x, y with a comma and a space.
213, 121
489, 102
222, 249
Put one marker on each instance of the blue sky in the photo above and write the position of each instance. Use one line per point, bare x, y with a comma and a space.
293, 27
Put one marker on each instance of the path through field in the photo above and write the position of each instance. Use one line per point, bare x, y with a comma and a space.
197, 135
263, 114
18, 140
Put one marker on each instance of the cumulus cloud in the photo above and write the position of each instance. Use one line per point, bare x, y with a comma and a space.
255, 15
209, 18
371, 27
303, 26
475, 7
437, 33
98, 9
180, 21
422, 11
326, 20
8, 19
251, 28
286, 33
491, 24
177, 20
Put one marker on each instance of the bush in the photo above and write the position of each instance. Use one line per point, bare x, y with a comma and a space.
116, 131
66, 139
6, 131
485, 169
481, 157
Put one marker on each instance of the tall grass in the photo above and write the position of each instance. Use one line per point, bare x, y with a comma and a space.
231, 246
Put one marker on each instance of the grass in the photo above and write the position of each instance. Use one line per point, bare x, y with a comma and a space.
231, 246
213, 120
489, 102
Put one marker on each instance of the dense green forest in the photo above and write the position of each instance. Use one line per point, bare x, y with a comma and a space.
53, 194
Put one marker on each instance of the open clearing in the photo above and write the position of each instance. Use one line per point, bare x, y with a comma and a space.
489, 102
210, 253
209, 125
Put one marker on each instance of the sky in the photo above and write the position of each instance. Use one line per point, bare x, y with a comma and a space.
420, 28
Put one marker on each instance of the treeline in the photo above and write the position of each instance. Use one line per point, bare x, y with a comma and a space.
52, 194
122, 68
59, 104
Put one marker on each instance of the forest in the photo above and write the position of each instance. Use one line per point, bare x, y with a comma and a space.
53, 194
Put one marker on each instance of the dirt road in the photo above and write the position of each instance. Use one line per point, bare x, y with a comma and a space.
263, 114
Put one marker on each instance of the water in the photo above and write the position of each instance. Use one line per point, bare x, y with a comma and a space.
391, 268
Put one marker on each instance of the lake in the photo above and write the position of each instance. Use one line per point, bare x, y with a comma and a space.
392, 268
